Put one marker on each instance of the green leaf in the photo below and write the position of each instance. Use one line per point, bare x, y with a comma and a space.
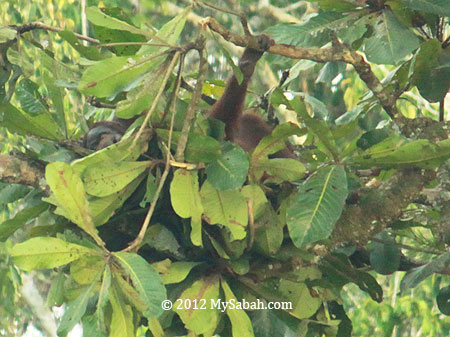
443, 300
384, 257
87, 269
12, 192
241, 324
199, 148
102, 209
269, 233
274, 142
414, 276
121, 319
90, 327
31, 101
109, 177
184, 193
121, 151
391, 40
169, 32
68, 190
162, 239
228, 208
108, 77
282, 169
436, 83
304, 304
230, 170
201, 293
312, 33
177, 272
103, 297
7, 34
257, 197
75, 311
8, 227
19, 122
89, 52
320, 129
46, 252
142, 97
145, 280
425, 60
317, 205
97, 17
419, 153
438, 7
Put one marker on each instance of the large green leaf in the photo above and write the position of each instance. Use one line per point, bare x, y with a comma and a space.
46, 252
384, 256
228, 208
240, 323
184, 193
31, 101
145, 280
419, 153
269, 232
274, 142
304, 304
414, 276
200, 295
391, 40
121, 318
8, 227
435, 85
279, 169
109, 177
438, 7
75, 311
317, 205
99, 18
17, 121
108, 77
121, 151
230, 170
177, 271
104, 208
68, 190
312, 33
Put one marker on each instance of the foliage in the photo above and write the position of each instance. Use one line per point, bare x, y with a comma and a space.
225, 226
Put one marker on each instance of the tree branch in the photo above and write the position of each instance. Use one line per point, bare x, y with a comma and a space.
322, 55
379, 207
22, 171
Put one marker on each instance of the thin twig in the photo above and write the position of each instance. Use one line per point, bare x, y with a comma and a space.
190, 114
38, 25
158, 96
442, 110
106, 45
137, 242
251, 224
174, 94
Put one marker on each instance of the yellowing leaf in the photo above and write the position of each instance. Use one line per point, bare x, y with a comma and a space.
46, 252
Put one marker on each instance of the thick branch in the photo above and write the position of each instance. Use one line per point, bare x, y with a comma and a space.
20, 171
340, 53
378, 208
